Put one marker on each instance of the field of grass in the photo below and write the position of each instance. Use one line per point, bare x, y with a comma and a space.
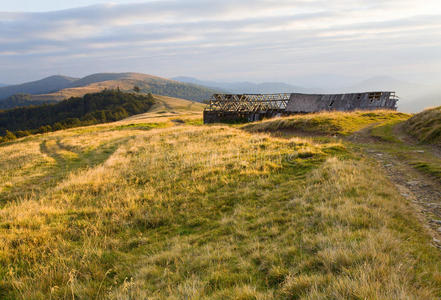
159, 207
326, 123
426, 126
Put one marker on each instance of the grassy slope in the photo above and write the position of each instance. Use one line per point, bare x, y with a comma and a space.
57, 88
326, 123
154, 207
126, 82
426, 126
46, 85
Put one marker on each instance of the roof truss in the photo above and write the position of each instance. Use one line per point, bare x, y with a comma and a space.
248, 102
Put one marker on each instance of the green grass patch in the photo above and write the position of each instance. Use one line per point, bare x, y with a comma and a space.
428, 168
194, 122
143, 126
385, 131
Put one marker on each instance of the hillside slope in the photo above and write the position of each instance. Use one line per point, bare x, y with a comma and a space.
426, 126
147, 84
43, 86
156, 208
23, 100
59, 88
102, 107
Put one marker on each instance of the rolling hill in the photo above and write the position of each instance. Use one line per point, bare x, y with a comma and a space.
43, 86
57, 88
101, 107
414, 97
95, 108
126, 82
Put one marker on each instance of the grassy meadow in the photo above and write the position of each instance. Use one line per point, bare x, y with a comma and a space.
160, 207
326, 123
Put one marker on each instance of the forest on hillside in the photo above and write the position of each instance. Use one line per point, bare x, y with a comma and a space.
22, 100
105, 106
178, 90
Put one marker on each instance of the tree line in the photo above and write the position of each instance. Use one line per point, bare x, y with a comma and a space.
178, 90
102, 107
20, 100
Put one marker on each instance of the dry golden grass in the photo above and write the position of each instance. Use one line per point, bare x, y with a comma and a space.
152, 208
327, 123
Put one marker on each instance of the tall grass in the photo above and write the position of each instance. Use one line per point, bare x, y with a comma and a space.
195, 212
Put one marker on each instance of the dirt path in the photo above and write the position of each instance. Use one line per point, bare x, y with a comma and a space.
422, 190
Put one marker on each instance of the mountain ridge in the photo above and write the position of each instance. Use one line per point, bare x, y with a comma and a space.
42, 86
57, 88
414, 97
247, 87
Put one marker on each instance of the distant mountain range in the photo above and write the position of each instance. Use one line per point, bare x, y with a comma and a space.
2, 84
57, 88
414, 97
247, 87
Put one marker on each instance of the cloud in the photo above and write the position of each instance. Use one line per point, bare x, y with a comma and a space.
216, 38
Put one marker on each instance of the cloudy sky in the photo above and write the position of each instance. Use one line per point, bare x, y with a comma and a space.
295, 41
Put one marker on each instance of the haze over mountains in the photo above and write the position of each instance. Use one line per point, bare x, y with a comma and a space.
248, 87
414, 97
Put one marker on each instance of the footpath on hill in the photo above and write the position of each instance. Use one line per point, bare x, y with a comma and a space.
414, 169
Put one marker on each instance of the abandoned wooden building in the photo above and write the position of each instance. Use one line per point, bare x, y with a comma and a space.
254, 107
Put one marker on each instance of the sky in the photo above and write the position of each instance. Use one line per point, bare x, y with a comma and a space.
308, 42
